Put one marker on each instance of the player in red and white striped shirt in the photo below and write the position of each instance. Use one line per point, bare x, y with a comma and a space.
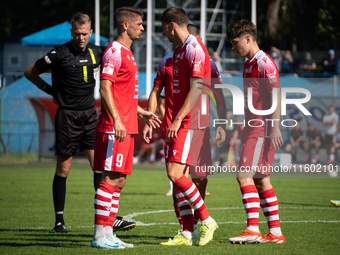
117, 125
191, 63
260, 142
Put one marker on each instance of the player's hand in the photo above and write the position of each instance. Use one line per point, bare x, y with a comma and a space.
120, 131
276, 137
150, 118
171, 133
147, 133
220, 136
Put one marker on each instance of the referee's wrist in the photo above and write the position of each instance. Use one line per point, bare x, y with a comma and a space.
47, 88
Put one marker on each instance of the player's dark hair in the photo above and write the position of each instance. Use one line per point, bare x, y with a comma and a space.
80, 18
126, 14
241, 28
194, 30
175, 14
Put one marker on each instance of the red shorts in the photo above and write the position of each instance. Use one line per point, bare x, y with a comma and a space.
192, 147
257, 155
112, 155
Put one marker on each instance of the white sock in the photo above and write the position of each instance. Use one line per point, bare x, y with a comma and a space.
187, 234
170, 184
152, 157
332, 157
275, 231
208, 220
99, 232
109, 231
254, 228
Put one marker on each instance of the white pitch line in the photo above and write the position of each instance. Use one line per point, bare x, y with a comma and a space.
130, 217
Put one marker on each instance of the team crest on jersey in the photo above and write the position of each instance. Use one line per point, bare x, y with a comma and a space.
108, 68
272, 77
47, 59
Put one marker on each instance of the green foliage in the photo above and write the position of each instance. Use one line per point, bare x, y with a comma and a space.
309, 222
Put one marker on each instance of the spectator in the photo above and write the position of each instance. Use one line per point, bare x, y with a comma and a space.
295, 141
329, 64
308, 65
231, 132
335, 143
313, 140
330, 121
216, 58
275, 54
287, 62
155, 143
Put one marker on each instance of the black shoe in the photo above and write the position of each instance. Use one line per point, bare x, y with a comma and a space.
60, 228
122, 225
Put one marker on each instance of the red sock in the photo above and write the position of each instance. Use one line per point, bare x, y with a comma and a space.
178, 214
186, 212
251, 203
102, 203
196, 218
114, 206
270, 207
192, 195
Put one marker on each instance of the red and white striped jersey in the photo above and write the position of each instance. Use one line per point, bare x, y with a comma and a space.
261, 74
190, 61
119, 67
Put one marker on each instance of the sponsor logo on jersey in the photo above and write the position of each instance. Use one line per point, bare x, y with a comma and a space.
47, 59
113, 50
194, 44
108, 68
136, 76
272, 77
174, 151
182, 55
175, 83
83, 61
249, 70
128, 57
244, 159
265, 60
176, 91
53, 52
178, 55
197, 66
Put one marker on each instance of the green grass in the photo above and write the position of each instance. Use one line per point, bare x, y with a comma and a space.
309, 222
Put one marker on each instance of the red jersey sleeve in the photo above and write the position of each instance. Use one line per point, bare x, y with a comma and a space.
111, 64
196, 59
268, 71
159, 79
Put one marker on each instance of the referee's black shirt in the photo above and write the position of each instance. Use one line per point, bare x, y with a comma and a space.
72, 75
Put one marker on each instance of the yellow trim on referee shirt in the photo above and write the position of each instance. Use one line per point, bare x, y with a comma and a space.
85, 73
92, 56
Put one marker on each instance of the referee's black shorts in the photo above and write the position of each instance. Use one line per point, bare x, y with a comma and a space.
75, 128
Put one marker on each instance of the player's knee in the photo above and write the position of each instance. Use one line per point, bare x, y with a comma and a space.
62, 172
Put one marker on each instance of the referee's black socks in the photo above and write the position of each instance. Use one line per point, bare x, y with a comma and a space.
59, 193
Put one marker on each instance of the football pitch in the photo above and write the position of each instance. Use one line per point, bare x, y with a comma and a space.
311, 225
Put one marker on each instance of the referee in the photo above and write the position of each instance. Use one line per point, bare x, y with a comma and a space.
73, 67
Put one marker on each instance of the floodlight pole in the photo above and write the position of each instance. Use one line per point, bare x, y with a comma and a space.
203, 21
148, 48
253, 11
97, 42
